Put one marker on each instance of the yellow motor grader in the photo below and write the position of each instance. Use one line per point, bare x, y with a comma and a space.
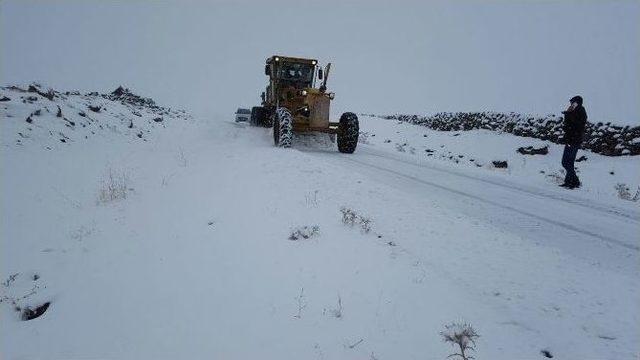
293, 104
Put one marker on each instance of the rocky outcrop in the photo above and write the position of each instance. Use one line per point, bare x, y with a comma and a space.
126, 97
530, 150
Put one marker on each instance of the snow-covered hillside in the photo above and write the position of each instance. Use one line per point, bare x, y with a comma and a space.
207, 242
34, 115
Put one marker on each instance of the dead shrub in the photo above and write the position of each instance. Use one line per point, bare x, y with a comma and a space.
352, 218
304, 232
114, 187
624, 192
463, 336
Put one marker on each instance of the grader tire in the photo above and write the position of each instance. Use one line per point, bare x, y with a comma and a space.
283, 128
258, 116
348, 132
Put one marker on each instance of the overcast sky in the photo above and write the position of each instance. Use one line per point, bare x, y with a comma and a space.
407, 57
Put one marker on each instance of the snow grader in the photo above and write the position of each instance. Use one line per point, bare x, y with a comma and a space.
292, 103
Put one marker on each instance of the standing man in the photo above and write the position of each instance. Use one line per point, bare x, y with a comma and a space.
575, 119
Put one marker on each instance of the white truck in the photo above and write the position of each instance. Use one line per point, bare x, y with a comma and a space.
243, 115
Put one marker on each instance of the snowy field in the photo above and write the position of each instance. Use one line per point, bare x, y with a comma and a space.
201, 240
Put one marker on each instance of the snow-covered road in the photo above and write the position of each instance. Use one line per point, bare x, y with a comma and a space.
585, 228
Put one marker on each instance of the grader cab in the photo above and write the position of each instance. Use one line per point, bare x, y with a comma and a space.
294, 103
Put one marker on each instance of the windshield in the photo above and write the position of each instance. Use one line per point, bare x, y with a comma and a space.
296, 72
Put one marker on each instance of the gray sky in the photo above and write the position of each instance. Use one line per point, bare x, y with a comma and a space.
407, 57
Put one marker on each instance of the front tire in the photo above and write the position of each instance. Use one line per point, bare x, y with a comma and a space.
258, 116
283, 128
348, 133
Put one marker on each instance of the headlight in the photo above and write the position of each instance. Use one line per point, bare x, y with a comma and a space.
277, 58
303, 92
313, 62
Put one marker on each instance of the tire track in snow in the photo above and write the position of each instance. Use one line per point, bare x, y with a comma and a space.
575, 201
504, 206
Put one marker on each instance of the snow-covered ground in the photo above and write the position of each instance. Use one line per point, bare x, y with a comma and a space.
601, 175
207, 242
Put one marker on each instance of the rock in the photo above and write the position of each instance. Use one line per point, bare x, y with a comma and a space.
95, 108
29, 119
157, 119
530, 150
581, 159
59, 114
127, 97
500, 164
4, 98
35, 88
546, 353
119, 91
15, 88
82, 113
32, 313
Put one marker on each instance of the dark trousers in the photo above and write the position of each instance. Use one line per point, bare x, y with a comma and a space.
568, 159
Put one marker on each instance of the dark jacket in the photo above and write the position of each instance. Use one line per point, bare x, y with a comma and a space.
574, 124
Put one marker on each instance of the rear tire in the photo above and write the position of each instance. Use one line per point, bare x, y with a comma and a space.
258, 116
348, 133
283, 128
